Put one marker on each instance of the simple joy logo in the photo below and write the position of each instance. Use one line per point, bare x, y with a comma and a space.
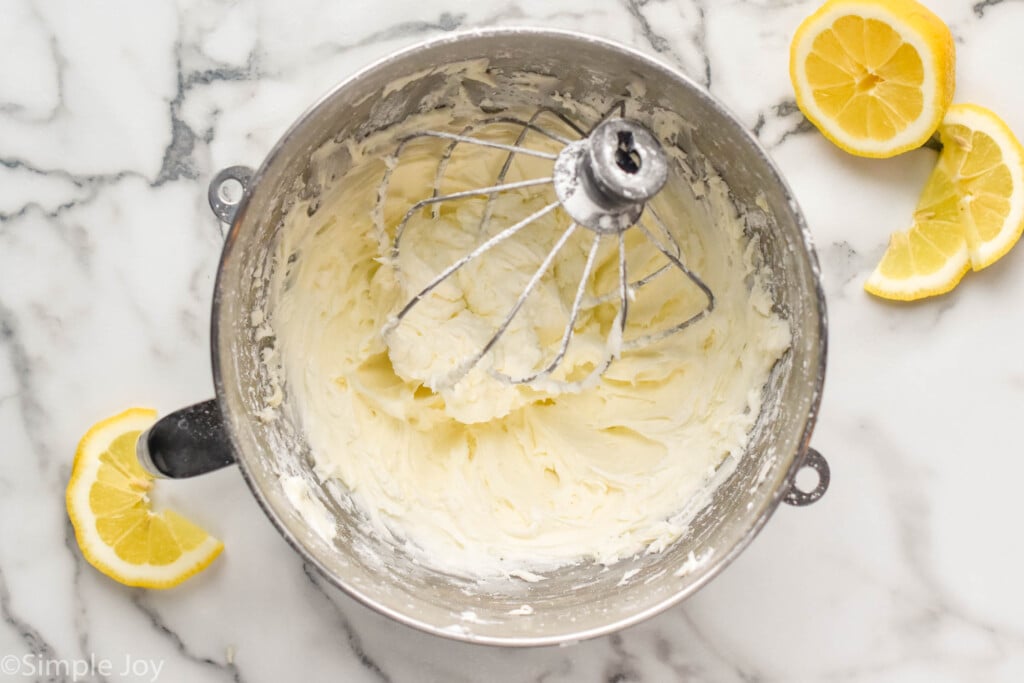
39, 667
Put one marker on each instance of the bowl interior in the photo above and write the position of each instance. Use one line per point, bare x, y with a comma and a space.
577, 601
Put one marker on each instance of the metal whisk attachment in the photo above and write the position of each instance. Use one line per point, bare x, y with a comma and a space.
603, 180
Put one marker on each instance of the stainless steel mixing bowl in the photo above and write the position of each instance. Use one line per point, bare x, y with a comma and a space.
579, 601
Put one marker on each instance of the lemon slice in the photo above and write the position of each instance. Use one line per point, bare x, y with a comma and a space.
116, 527
970, 214
875, 76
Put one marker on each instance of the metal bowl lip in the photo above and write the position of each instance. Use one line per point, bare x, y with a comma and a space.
767, 507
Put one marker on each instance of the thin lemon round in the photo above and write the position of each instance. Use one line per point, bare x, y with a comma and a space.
970, 214
874, 76
115, 525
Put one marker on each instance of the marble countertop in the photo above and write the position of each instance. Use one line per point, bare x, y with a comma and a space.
112, 120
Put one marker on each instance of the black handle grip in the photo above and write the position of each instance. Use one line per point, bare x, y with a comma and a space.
186, 443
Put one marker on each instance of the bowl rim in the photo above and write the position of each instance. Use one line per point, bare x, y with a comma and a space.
718, 562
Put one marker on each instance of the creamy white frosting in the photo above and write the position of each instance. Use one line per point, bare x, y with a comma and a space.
483, 477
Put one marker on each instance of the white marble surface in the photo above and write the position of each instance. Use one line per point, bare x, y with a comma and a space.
112, 119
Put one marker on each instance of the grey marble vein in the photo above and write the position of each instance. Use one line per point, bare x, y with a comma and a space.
980, 8
227, 669
736, 672
446, 21
911, 510
842, 264
80, 612
352, 638
31, 411
177, 160
91, 184
405, 30
701, 42
787, 109
621, 669
60, 64
561, 670
33, 639
663, 45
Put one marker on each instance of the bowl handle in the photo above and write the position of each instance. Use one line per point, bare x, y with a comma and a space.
192, 441
798, 497
186, 443
226, 191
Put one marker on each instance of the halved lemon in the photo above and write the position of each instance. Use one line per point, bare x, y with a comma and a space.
875, 76
970, 214
116, 527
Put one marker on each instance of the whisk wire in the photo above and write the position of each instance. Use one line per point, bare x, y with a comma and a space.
618, 104
678, 253
471, 362
442, 165
570, 328
476, 253
676, 249
658, 336
476, 192
485, 218
623, 288
610, 133
481, 142
650, 277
